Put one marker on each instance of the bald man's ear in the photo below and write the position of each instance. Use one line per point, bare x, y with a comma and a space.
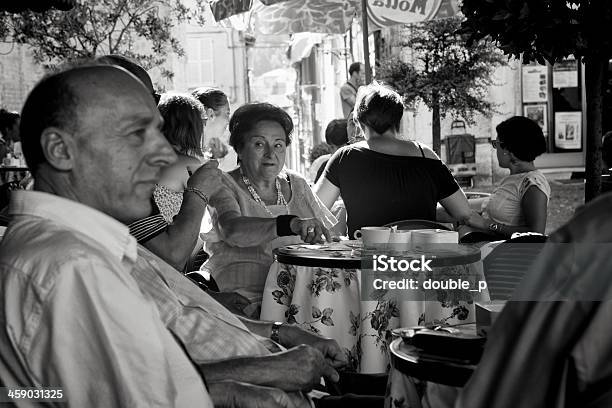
58, 147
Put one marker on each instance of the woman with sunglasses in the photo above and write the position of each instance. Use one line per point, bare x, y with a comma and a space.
520, 202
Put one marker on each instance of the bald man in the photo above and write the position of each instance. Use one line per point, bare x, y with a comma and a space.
73, 317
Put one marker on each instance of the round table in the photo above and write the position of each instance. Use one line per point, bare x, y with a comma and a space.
319, 288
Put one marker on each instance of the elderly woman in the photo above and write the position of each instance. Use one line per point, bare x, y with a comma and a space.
383, 178
264, 206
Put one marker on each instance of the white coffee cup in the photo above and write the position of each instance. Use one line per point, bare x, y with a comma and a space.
373, 235
400, 240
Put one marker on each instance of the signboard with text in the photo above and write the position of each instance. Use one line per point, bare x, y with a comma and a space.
392, 12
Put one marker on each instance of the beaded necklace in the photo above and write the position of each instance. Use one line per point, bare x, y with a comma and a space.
280, 198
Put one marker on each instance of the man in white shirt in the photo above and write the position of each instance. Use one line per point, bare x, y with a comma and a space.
72, 315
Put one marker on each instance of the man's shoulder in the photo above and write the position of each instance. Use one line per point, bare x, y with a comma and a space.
348, 87
39, 246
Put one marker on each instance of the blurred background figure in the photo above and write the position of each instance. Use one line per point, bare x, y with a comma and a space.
336, 137
348, 91
216, 118
318, 151
9, 134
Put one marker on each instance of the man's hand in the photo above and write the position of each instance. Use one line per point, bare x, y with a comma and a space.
311, 230
217, 148
206, 178
233, 394
293, 335
298, 369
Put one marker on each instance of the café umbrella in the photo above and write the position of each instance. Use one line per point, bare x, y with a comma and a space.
330, 16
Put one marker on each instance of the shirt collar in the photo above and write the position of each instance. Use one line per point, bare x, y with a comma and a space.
98, 226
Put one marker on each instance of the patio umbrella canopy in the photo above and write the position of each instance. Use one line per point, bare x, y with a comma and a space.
329, 16
290, 16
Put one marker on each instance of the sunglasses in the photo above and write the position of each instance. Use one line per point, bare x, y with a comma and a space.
496, 144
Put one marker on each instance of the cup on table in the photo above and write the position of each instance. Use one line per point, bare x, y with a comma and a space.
373, 236
426, 237
400, 240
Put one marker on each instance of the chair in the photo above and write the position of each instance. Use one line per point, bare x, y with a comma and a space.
506, 265
417, 224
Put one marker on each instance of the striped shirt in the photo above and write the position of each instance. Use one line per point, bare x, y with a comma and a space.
146, 228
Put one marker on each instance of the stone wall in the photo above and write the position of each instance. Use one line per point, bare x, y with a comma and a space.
18, 75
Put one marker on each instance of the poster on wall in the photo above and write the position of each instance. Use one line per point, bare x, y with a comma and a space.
535, 83
565, 74
537, 113
568, 130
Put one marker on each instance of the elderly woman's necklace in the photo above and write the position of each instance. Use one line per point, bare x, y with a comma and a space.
280, 198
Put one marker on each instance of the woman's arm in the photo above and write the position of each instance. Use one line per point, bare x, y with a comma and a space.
327, 192
245, 231
534, 206
457, 206
176, 243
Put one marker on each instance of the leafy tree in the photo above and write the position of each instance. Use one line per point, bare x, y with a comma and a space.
447, 74
139, 29
550, 30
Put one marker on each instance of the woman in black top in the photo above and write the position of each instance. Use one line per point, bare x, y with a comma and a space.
384, 179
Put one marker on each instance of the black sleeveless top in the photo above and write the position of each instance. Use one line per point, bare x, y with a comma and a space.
379, 188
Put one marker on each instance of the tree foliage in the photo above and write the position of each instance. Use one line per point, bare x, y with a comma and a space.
446, 73
550, 30
139, 29
543, 30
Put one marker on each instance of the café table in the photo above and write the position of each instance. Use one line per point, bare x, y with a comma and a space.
319, 288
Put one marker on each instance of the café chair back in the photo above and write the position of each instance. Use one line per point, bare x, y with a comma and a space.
417, 224
508, 262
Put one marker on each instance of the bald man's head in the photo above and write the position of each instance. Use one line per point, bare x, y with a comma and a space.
59, 101
131, 66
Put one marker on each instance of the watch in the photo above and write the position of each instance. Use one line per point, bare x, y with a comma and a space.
275, 333
495, 227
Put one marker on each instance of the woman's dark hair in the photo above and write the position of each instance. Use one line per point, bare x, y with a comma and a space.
522, 137
336, 133
7, 120
213, 98
183, 124
379, 107
247, 116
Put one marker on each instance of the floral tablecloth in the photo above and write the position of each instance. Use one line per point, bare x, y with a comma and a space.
327, 301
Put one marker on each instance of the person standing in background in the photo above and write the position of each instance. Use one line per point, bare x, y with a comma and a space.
336, 137
348, 91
